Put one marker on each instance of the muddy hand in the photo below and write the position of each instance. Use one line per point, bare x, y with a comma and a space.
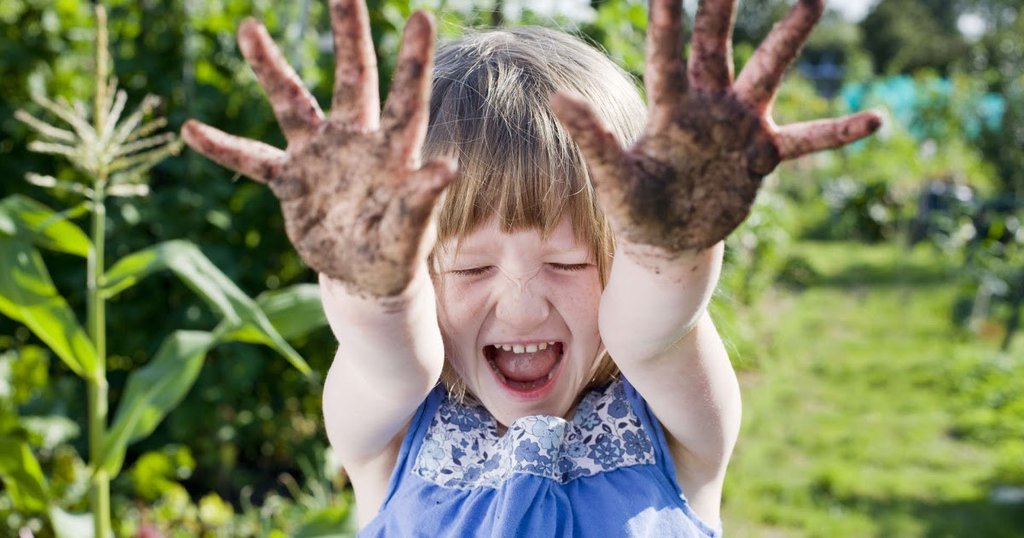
357, 203
692, 176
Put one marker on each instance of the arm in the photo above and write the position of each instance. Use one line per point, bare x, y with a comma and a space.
654, 323
358, 206
673, 196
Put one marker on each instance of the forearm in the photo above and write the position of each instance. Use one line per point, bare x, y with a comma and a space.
652, 300
390, 355
655, 325
394, 340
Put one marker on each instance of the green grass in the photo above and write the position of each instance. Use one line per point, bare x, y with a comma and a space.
851, 403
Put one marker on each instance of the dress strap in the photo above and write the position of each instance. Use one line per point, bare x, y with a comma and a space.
651, 424
664, 456
418, 425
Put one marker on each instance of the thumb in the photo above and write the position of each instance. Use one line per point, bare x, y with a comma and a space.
598, 144
427, 183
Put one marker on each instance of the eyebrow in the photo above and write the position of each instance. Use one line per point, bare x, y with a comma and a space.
470, 251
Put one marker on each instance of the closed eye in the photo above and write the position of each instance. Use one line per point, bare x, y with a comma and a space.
570, 266
475, 271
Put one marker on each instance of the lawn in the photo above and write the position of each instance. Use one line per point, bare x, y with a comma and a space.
851, 402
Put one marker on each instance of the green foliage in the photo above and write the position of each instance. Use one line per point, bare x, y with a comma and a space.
30, 297
152, 391
863, 211
27, 218
155, 473
23, 478
114, 155
906, 36
241, 314
35, 445
994, 270
990, 399
847, 417
314, 509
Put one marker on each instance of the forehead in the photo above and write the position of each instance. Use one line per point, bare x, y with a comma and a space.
489, 240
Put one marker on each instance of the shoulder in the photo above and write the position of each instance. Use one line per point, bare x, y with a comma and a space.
375, 478
698, 479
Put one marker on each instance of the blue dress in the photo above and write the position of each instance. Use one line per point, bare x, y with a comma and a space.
607, 472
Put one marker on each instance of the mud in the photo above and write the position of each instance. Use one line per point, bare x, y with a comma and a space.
692, 178
356, 204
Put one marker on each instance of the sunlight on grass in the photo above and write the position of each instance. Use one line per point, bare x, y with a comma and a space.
849, 411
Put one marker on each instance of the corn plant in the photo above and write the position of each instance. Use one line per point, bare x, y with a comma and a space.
112, 154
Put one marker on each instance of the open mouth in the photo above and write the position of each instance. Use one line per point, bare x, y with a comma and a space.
525, 367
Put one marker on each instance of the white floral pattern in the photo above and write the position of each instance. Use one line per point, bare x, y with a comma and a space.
462, 450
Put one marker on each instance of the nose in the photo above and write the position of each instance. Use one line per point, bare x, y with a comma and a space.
522, 305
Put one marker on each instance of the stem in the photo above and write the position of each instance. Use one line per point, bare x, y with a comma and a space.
99, 498
99, 494
100, 109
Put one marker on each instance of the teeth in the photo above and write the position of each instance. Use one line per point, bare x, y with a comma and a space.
519, 348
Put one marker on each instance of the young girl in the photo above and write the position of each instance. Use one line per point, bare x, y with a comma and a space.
500, 371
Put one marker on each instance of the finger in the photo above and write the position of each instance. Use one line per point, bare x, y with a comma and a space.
405, 113
296, 109
427, 183
599, 146
256, 160
807, 137
355, 101
665, 70
710, 67
761, 76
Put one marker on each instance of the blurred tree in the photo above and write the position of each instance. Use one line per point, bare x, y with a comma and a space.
999, 58
834, 55
905, 35
755, 18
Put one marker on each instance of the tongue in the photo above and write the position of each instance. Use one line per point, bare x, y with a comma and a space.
524, 367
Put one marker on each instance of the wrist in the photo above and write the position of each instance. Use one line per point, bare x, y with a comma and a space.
685, 267
653, 301
347, 307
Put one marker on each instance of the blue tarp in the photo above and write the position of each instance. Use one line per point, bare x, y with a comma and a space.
906, 98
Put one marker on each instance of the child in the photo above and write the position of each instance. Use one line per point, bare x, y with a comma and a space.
477, 387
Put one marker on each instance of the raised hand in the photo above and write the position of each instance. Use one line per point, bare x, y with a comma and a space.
692, 176
356, 201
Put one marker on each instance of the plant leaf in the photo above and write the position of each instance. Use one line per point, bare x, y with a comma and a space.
243, 316
294, 311
331, 522
153, 390
27, 295
22, 477
68, 525
26, 219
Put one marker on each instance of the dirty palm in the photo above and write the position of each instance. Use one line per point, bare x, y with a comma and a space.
360, 201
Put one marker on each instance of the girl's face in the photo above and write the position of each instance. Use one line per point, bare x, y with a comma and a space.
518, 314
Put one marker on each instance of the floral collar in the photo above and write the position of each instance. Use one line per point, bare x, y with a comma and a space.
462, 449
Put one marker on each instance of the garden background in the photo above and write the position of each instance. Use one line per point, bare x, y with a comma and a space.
872, 303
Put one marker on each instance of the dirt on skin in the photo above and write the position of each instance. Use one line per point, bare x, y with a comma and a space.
357, 204
690, 185
692, 177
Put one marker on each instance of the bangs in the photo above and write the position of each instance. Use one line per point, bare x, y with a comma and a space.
517, 164
490, 110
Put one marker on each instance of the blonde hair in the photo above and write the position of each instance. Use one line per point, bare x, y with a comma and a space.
490, 110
